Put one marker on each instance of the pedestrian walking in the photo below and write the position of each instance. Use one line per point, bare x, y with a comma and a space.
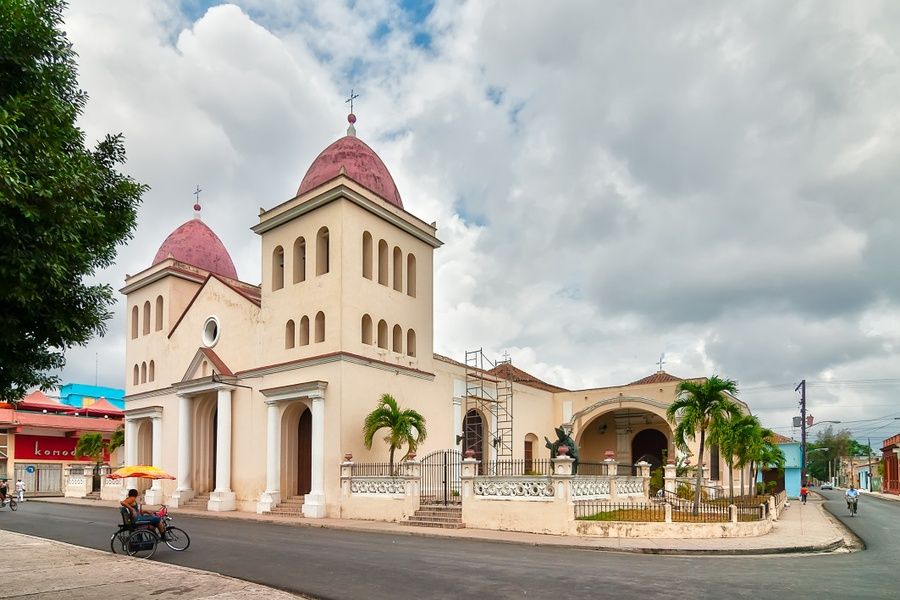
803, 493
20, 490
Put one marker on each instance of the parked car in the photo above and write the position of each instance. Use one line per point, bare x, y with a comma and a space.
827, 486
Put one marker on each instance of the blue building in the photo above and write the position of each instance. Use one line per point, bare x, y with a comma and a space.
81, 395
790, 479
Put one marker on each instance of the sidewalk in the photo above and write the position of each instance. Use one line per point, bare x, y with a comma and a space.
83, 573
891, 497
801, 528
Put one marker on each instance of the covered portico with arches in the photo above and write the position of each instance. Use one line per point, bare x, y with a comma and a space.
633, 427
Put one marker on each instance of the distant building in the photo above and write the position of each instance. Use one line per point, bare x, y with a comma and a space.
81, 395
890, 452
787, 479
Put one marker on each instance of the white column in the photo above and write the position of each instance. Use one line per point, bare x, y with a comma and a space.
183, 491
222, 498
272, 496
314, 503
131, 451
155, 494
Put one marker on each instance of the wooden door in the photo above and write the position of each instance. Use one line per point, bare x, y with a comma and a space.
304, 453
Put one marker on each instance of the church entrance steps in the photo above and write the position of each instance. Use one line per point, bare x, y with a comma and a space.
93, 496
198, 502
437, 515
292, 506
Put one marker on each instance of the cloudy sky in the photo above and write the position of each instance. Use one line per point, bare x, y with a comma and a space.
613, 181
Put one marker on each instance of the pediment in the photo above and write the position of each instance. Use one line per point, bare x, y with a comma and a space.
205, 364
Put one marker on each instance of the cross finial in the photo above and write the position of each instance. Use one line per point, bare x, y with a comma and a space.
506, 355
661, 362
197, 201
351, 99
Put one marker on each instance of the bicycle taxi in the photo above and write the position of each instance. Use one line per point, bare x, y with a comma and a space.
141, 539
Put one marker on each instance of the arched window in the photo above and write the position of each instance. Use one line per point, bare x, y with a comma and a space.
143, 372
397, 341
290, 335
398, 269
137, 373
320, 326
322, 258
366, 329
159, 313
382, 334
367, 255
299, 260
146, 317
134, 323
304, 331
151, 371
411, 276
278, 268
382, 262
410, 343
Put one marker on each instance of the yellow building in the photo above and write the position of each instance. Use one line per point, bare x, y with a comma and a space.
253, 394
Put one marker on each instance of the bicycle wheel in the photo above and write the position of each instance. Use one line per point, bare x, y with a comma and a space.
13, 505
141, 543
118, 540
177, 539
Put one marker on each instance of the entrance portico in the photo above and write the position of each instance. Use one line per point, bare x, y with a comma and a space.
199, 437
281, 402
634, 428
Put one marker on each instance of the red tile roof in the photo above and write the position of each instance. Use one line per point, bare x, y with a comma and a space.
102, 407
517, 375
9, 416
38, 400
658, 377
781, 439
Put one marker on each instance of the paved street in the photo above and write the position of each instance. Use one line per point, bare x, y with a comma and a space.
877, 523
328, 563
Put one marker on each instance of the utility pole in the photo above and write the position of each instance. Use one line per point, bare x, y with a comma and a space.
802, 388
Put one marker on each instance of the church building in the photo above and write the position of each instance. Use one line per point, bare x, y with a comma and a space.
253, 394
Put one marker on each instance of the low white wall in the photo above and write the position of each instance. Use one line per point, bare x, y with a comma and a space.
622, 529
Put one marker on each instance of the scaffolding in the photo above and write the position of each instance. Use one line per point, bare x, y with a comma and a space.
492, 396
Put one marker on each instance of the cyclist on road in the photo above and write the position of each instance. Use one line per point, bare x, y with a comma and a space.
4, 491
852, 495
141, 516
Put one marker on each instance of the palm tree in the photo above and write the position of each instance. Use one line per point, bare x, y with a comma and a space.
699, 406
731, 436
765, 453
404, 427
747, 434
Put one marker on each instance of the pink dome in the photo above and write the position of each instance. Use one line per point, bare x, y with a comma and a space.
195, 243
360, 164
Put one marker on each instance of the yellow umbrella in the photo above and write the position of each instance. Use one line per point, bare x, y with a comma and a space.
141, 472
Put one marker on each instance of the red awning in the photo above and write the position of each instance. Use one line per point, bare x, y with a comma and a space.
102, 407
39, 401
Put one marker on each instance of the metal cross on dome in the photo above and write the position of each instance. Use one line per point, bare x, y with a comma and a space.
197, 194
351, 99
661, 362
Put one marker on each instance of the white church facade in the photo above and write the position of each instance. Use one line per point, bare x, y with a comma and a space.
253, 394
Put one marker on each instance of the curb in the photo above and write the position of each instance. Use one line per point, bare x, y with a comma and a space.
853, 542
831, 546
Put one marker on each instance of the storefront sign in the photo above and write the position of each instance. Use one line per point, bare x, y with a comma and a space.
41, 447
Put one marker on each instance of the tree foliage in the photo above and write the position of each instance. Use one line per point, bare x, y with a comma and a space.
701, 405
63, 208
404, 427
829, 446
93, 446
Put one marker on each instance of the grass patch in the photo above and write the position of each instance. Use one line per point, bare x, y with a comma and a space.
624, 514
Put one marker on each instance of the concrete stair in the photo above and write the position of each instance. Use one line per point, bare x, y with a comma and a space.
292, 506
197, 502
93, 496
437, 515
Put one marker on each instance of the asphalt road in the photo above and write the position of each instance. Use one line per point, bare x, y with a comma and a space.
330, 563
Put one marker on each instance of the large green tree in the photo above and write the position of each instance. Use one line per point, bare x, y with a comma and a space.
699, 406
93, 446
404, 427
63, 207
732, 435
830, 445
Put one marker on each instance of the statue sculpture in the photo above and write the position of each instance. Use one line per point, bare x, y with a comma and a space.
563, 439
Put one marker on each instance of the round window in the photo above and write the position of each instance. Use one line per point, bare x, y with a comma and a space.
211, 331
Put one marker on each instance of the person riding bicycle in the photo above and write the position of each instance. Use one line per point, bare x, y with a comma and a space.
4, 491
852, 495
141, 516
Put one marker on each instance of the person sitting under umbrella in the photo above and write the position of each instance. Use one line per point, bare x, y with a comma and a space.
141, 516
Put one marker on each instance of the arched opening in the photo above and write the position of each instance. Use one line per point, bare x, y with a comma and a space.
134, 322
649, 445
322, 250
398, 269
151, 371
367, 255
382, 334
397, 339
137, 375
278, 268
146, 317
143, 372
410, 343
296, 450
320, 326
144, 450
299, 260
382, 262
203, 451
411, 276
290, 335
159, 313
366, 329
473, 434
529, 452
304, 331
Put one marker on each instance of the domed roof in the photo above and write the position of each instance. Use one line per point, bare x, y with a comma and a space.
360, 163
195, 243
